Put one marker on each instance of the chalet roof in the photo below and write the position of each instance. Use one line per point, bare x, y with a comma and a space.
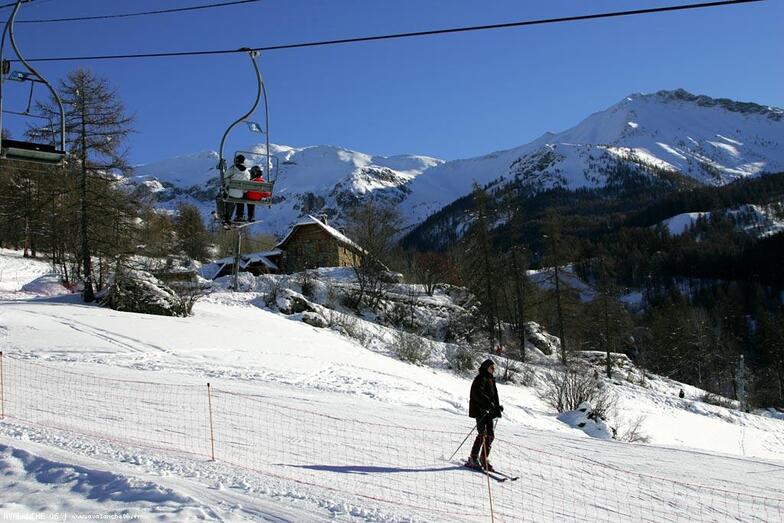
262, 257
310, 220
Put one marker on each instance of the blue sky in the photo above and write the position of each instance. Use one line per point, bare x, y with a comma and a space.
447, 96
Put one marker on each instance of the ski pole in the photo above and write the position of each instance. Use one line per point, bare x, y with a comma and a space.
468, 436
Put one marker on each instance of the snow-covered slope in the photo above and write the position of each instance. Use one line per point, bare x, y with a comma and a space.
108, 412
668, 133
756, 220
16, 271
706, 140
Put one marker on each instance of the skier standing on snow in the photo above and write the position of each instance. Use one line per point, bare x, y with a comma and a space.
484, 407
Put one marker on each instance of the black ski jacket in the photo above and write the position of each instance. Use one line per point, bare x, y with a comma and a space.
484, 394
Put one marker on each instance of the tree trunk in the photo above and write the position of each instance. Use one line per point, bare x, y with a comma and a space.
88, 294
607, 333
559, 311
520, 303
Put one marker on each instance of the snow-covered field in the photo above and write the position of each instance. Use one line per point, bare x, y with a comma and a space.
109, 413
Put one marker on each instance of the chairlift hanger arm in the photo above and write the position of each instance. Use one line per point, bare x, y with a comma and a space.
29, 115
222, 162
9, 28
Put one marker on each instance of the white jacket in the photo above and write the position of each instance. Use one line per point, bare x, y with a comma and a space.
236, 174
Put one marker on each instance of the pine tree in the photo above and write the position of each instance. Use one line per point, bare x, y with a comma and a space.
479, 267
742, 384
518, 267
555, 259
96, 126
192, 237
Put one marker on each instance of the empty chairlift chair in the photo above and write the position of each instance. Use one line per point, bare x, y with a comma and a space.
12, 151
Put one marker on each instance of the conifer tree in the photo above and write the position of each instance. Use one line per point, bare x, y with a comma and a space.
96, 126
479, 267
192, 237
555, 259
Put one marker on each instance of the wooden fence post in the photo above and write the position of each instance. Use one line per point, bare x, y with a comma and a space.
212, 432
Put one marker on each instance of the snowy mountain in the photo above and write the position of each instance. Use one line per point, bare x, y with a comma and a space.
672, 135
667, 134
312, 180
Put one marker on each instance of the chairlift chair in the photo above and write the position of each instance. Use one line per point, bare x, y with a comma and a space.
31, 152
230, 185
269, 170
18, 150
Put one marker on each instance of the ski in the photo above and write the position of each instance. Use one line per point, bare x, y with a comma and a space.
491, 474
507, 476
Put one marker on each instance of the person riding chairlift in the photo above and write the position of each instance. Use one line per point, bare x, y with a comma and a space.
256, 175
240, 172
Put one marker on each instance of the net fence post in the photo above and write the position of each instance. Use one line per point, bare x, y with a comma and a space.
2, 388
212, 431
487, 473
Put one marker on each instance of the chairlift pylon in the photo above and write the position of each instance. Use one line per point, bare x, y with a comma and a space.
237, 183
19, 150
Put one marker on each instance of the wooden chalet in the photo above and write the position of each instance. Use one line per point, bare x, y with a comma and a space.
313, 243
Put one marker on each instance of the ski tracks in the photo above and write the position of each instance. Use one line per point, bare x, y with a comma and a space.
118, 340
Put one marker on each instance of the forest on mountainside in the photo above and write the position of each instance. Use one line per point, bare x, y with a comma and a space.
704, 297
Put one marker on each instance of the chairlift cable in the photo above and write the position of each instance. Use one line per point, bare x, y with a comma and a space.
12, 4
143, 13
394, 36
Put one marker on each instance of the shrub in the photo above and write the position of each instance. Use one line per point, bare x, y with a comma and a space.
273, 291
527, 376
631, 431
306, 283
348, 325
510, 368
461, 326
189, 293
412, 348
463, 359
566, 390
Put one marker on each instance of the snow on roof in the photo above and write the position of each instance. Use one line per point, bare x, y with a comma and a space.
262, 257
339, 236
253, 257
265, 254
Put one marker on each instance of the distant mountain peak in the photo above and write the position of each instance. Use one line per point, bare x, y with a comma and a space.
701, 100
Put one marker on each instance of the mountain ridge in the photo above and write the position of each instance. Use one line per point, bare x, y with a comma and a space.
712, 141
